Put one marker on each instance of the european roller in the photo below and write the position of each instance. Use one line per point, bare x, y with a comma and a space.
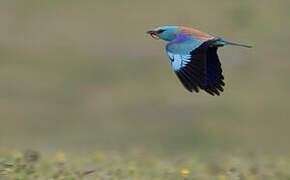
193, 57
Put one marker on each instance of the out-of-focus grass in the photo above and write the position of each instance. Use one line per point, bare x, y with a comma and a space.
138, 164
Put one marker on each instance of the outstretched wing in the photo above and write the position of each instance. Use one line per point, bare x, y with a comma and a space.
196, 63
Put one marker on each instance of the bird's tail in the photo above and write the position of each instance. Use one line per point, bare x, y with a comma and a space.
224, 42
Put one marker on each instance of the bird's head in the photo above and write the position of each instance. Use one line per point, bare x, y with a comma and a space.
167, 33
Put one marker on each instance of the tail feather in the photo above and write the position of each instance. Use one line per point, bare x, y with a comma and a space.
223, 42
238, 44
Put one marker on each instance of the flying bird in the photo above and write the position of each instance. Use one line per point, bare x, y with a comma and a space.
193, 57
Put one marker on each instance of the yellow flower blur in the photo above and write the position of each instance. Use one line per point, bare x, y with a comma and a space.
184, 172
60, 157
222, 177
99, 155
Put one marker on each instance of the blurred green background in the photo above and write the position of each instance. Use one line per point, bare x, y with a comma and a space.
81, 75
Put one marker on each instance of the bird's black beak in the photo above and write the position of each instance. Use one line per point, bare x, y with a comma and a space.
154, 34
150, 32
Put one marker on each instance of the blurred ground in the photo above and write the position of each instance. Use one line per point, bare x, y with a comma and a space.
81, 75
29, 165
